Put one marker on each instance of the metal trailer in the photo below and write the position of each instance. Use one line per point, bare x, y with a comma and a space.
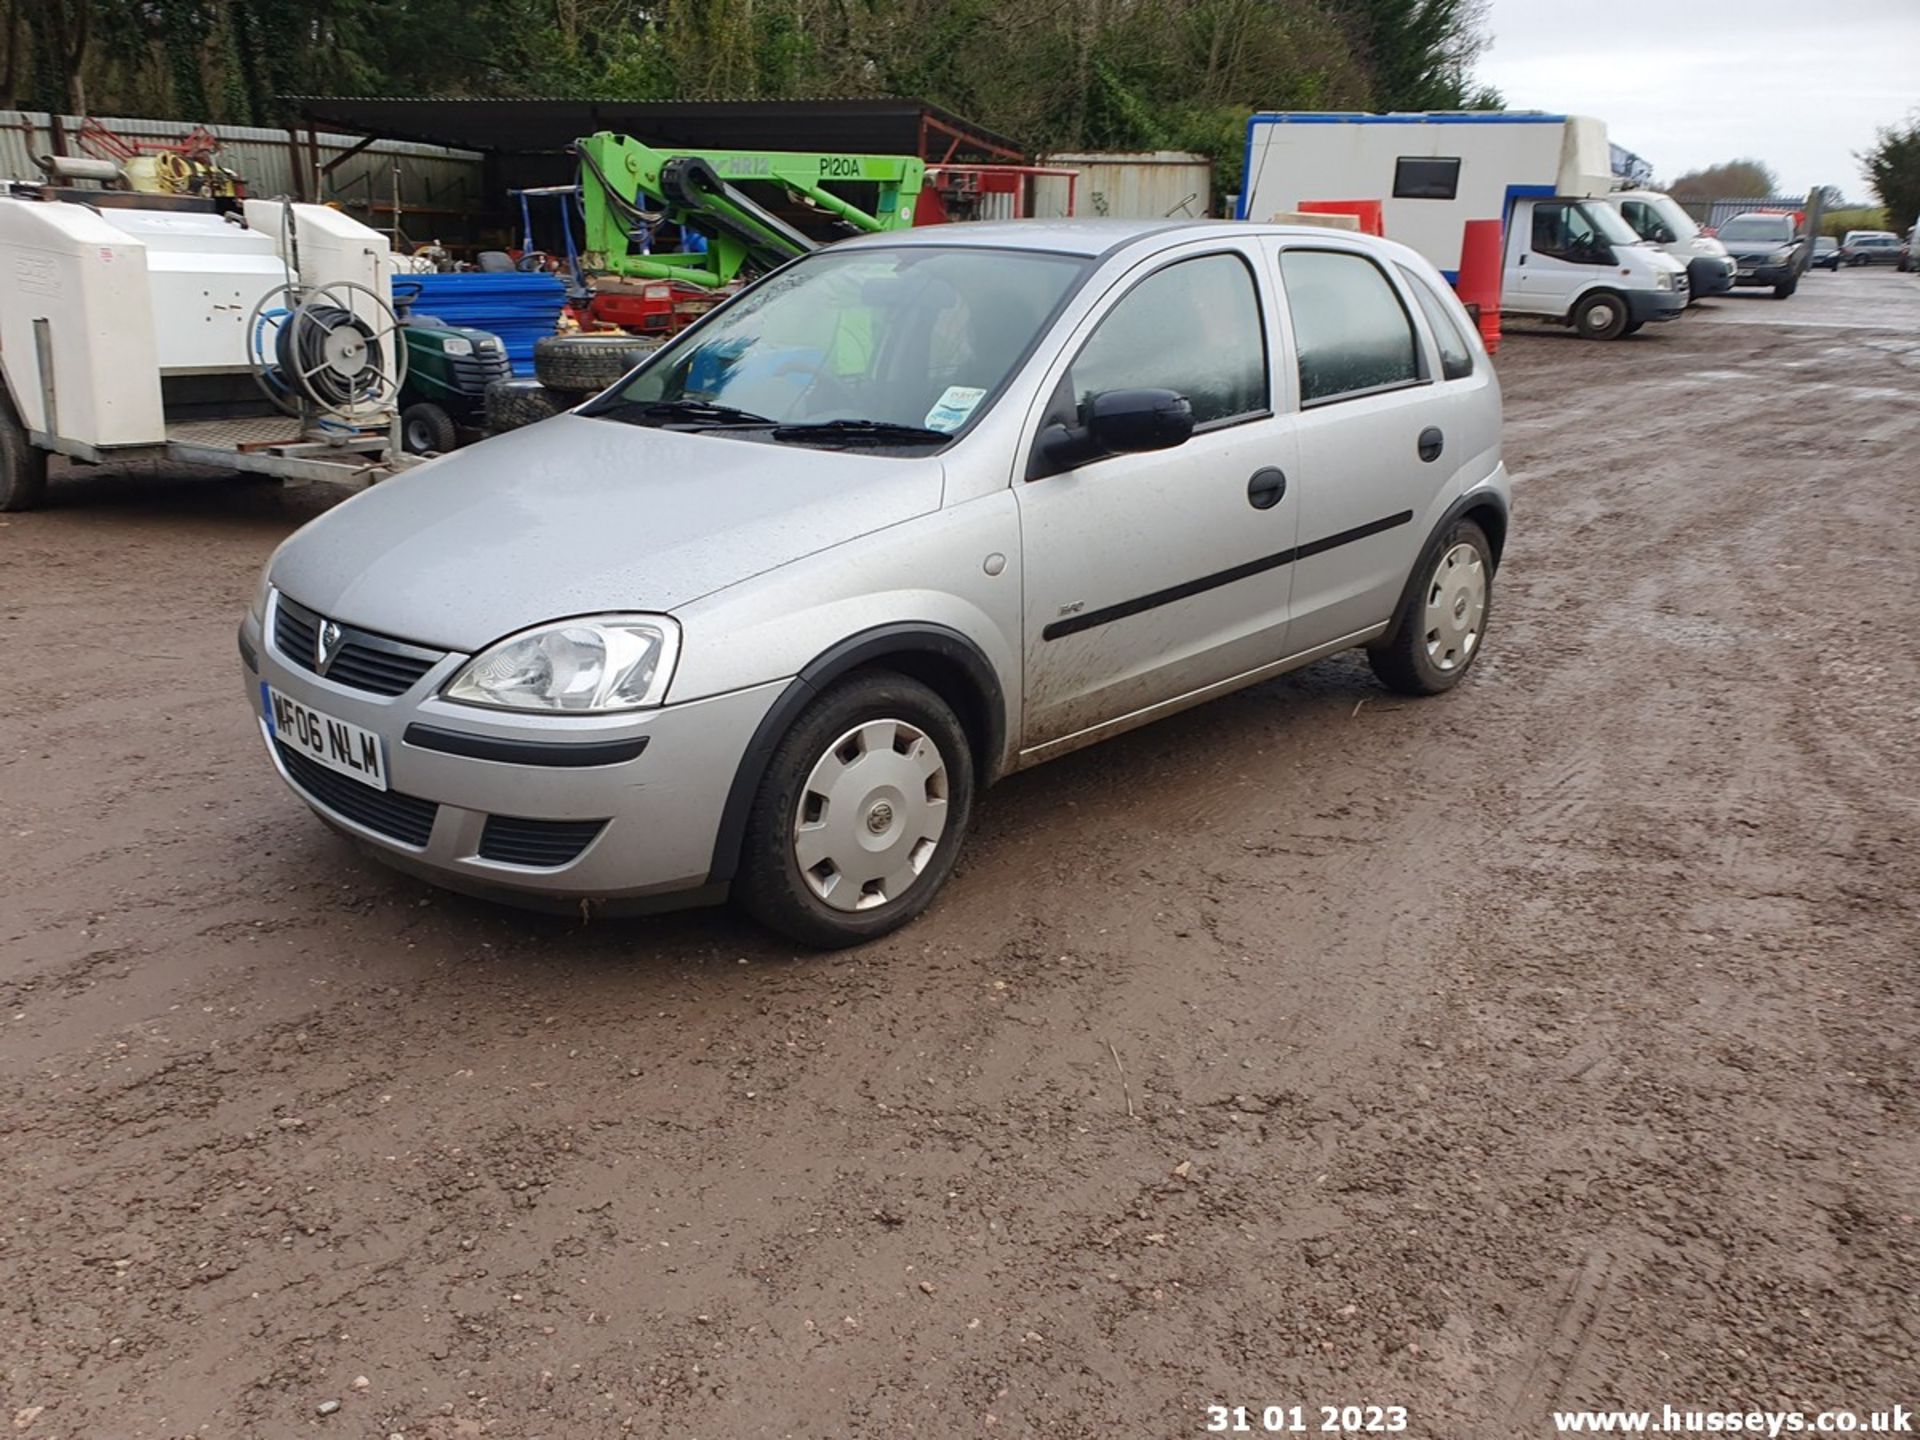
257, 336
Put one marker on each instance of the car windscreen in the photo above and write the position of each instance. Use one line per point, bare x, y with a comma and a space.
1758, 227
1607, 222
858, 340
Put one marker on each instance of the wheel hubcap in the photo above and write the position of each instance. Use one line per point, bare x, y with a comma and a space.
871, 815
1456, 608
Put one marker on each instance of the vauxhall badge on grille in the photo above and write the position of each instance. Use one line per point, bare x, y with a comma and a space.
326, 644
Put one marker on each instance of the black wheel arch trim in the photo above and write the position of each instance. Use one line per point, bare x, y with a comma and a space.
866, 648
1479, 498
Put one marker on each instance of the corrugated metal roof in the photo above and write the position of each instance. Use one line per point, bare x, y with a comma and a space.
548, 124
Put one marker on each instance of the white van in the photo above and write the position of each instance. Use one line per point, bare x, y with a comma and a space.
1569, 256
1659, 220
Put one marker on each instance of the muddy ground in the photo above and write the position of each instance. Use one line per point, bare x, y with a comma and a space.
1548, 1044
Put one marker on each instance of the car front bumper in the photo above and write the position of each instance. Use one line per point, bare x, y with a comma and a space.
638, 832
1709, 275
1753, 274
1644, 306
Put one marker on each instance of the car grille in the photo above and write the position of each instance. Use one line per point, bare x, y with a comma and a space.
405, 818
364, 661
547, 844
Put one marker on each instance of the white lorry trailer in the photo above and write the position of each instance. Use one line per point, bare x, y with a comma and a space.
256, 335
1568, 257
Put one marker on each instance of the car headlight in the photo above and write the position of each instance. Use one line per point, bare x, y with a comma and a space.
580, 667
262, 593
1780, 257
457, 345
1662, 280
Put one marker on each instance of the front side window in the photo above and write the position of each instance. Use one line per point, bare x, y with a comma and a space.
1640, 216
1350, 330
1456, 355
912, 336
1568, 232
1193, 328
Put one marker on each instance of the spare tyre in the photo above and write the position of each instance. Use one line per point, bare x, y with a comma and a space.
513, 403
587, 363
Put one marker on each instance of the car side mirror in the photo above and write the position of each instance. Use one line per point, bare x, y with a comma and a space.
1662, 235
1121, 422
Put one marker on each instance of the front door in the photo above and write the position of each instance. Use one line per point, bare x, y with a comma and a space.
1150, 576
1552, 255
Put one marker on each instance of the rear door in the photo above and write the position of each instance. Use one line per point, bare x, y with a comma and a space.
1153, 575
1373, 442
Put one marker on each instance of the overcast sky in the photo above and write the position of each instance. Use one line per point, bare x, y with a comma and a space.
1800, 84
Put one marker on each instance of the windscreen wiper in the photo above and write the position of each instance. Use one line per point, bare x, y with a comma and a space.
885, 431
671, 412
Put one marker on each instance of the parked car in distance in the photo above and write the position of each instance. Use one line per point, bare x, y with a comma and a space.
1826, 253
1870, 247
910, 514
1765, 246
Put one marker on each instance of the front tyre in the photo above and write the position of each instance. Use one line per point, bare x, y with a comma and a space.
861, 814
1785, 288
426, 429
1443, 621
1601, 316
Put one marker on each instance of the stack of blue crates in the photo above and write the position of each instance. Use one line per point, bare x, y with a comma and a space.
519, 308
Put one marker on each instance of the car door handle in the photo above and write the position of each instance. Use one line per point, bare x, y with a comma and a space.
1432, 442
1265, 488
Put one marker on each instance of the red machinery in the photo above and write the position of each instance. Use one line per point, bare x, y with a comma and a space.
985, 192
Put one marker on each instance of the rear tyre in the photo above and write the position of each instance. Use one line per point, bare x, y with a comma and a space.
1782, 291
23, 467
1438, 632
860, 816
1601, 316
587, 364
426, 429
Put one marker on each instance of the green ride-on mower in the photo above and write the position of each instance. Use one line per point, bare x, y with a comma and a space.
448, 371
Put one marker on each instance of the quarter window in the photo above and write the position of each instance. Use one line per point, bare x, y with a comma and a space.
1350, 330
1456, 355
1194, 328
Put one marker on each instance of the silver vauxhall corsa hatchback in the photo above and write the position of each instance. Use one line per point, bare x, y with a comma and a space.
908, 515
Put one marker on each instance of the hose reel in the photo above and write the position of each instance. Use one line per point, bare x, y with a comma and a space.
324, 351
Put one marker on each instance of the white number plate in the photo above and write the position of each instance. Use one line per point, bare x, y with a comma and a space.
336, 744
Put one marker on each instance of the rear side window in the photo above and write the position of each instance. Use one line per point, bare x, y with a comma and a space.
1194, 328
1456, 355
1350, 330
1420, 177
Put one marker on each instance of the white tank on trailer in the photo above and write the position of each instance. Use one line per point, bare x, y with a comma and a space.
74, 286
204, 272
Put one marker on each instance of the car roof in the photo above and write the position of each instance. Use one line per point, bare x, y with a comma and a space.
1090, 237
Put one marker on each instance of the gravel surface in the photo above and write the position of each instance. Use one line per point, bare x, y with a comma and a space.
1548, 1044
